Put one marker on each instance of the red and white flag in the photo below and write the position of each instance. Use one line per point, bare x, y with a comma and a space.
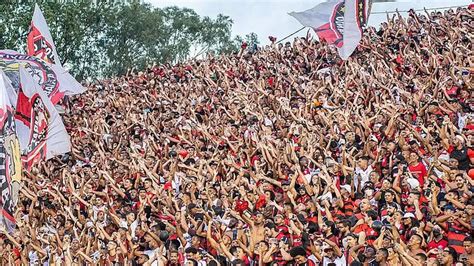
39, 127
39, 41
53, 79
338, 22
10, 162
11, 92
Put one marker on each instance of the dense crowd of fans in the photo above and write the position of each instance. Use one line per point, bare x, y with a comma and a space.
284, 155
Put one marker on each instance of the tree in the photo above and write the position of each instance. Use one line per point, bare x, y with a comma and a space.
252, 39
98, 39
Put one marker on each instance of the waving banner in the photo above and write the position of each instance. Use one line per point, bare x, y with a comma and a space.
53, 79
39, 41
10, 163
39, 127
338, 22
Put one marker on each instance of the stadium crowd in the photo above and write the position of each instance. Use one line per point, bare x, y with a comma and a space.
283, 155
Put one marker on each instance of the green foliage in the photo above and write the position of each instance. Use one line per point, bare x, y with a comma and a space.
98, 39
252, 39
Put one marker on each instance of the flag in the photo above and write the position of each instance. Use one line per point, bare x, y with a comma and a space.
10, 162
337, 22
11, 92
53, 79
39, 41
327, 20
355, 17
39, 127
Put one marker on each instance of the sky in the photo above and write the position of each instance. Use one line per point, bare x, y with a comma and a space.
270, 17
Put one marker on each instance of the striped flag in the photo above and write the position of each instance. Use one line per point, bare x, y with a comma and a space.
10, 163
39, 127
338, 22
39, 41
53, 79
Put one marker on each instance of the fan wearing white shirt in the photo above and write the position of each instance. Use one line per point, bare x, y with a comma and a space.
333, 256
362, 172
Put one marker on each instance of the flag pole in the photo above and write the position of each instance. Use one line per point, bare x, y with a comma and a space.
288, 36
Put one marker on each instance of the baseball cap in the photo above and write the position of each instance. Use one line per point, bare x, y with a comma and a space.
408, 215
346, 187
413, 183
373, 138
368, 185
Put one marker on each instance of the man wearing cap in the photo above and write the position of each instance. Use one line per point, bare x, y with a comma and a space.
459, 151
348, 204
332, 255
437, 241
408, 224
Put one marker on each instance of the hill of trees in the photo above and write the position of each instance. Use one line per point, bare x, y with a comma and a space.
101, 38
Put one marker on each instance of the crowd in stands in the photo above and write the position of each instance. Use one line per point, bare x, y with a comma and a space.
281, 155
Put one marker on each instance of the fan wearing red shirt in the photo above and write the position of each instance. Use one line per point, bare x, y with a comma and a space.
470, 155
417, 168
438, 241
371, 234
271, 231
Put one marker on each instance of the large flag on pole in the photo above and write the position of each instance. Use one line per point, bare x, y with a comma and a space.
39, 42
338, 22
53, 79
10, 162
39, 127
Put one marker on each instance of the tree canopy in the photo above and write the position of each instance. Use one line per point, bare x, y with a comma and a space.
100, 38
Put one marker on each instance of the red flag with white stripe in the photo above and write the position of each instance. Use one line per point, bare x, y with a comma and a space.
338, 22
53, 79
39, 41
39, 127
10, 163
